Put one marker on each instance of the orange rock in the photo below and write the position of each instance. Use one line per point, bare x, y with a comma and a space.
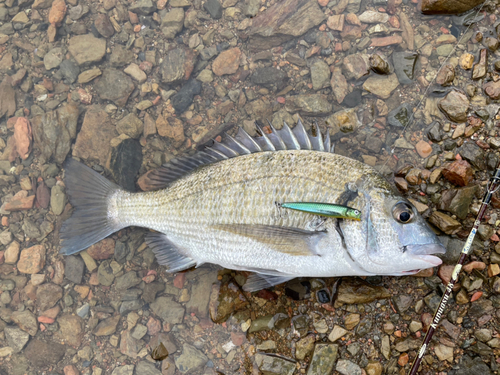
20, 202
5, 221
52, 312
352, 19
102, 250
45, 319
137, 28
423, 148
32, 259
71, 370
428, 272
133, 18
476, 296
493, 270
403, 359
227, 62
445, 272
82, 290
57, 12
459, 172
386, 41
474, 265
22, 139
94, 279
323, 3
179, 280
394, 22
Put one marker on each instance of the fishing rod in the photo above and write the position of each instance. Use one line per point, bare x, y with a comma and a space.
493, 186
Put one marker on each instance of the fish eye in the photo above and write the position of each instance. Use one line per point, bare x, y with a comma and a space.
402, 212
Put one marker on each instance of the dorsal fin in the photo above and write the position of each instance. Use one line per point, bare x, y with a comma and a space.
241, 144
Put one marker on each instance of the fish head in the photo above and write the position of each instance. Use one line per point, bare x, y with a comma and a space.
399, 241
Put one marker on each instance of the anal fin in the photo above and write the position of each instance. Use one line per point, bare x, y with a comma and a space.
258, 281
167, 254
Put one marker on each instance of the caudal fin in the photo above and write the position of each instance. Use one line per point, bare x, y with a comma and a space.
89, 194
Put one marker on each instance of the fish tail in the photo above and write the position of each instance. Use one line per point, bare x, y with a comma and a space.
89, 193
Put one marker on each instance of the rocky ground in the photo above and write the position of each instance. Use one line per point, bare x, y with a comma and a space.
126, 86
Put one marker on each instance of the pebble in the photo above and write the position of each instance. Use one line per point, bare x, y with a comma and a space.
323, 359
87, 49
304, 346
32, 259
346, 367
227, 62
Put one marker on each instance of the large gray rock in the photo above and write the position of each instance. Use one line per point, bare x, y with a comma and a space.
115, 85
190, 360
167, 309
87, 49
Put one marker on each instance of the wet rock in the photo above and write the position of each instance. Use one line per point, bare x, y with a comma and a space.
381, 86
74, 269
57, 199
150, 291
178, 65
103, 249
21, 201
143, 7
172, 22
7, 98
268, 76
227, 62
356, 291
471, 152
481, 68
472, 367
355, 66
304, 346
136, 73
87, 49
282, 22
457, 201
71, 329
125, 161
123, 370
70, 70
309, 104
114, 85
171, 127
323, 359
20, 143
337, 333
89, 75
459, 172
105, 274
16, 338
191, 359
121, 56
274, 365
32, 259
53, 58
183, 99
446, 75
444, 222
405, 66
225, 299
47, 295
455, 105
346, 367
339, 85
11, 254
200, 295
167, 309
364, 327
448, 6
214, 8
130, 125
492, 89
128, 345
400, 117
107, 326
103, 25
128, 280
423, 148
320, 75
346, 121
42, 354
402, 302
26, 321
146, 368
379, 64
128, 306
93, 140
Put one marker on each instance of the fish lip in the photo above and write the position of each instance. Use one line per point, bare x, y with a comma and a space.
432, 260
426, 249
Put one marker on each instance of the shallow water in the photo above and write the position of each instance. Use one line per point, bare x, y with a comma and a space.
105, 311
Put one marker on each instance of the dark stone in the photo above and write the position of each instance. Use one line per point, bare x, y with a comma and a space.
143, 7
73, 269
405, 66
116, 86
121, 251
491, 161
473, 154
434, 132
297, 289
70, 70
267, 76
128, 306
214, 8
457, 201
400, 116
120, 56
183, 99
448, 6
126, 159
150, 291
103, 25
323, 296
41, 353
364, 327
178, 64
354, 98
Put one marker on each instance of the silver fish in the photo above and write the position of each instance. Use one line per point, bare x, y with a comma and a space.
223, 206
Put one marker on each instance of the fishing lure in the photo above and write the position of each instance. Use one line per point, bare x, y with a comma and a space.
325, 209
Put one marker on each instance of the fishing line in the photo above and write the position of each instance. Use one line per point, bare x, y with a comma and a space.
412, 116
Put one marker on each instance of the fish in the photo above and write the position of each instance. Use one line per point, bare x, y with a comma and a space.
223, 205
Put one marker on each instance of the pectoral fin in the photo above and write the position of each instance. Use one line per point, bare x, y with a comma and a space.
257, 281
292, 241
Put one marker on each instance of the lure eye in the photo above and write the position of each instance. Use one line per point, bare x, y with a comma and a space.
402, 212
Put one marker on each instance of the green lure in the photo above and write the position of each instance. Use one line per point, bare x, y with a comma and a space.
325, 209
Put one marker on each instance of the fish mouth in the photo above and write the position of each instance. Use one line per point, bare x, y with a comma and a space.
423, 253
